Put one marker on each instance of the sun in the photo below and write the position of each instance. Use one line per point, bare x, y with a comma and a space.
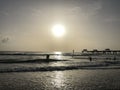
58, 30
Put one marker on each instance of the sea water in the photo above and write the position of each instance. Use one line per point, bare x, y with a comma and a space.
34, 61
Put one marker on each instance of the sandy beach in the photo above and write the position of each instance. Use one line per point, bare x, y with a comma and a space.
62, 80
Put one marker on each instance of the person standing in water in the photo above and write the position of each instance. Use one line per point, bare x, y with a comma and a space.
90, 58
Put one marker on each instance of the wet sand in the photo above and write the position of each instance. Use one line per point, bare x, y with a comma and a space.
62, 80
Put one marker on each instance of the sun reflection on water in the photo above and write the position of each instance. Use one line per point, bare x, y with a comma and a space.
58, 80
58, 55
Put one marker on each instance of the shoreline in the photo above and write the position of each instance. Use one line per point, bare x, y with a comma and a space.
93, 65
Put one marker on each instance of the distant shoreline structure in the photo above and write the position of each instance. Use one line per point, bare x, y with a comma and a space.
99, 52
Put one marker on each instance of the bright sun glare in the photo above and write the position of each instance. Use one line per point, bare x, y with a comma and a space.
58, 30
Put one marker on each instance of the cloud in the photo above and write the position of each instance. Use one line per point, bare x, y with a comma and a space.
94, 8
4, 13
4, 39
86, 11
34, 11
112, 19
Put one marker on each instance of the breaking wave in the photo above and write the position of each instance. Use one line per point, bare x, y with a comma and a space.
58, 68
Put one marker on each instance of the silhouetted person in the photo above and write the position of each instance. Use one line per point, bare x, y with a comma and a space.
48, 57
90, 58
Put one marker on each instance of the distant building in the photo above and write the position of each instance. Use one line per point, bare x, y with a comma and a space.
107, 51
86, 52
95, 51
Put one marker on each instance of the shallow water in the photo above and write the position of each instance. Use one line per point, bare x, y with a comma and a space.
29, 63
62, 80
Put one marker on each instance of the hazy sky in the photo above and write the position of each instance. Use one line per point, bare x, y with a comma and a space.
26, 24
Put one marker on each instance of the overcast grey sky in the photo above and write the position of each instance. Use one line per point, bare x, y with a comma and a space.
26, 24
